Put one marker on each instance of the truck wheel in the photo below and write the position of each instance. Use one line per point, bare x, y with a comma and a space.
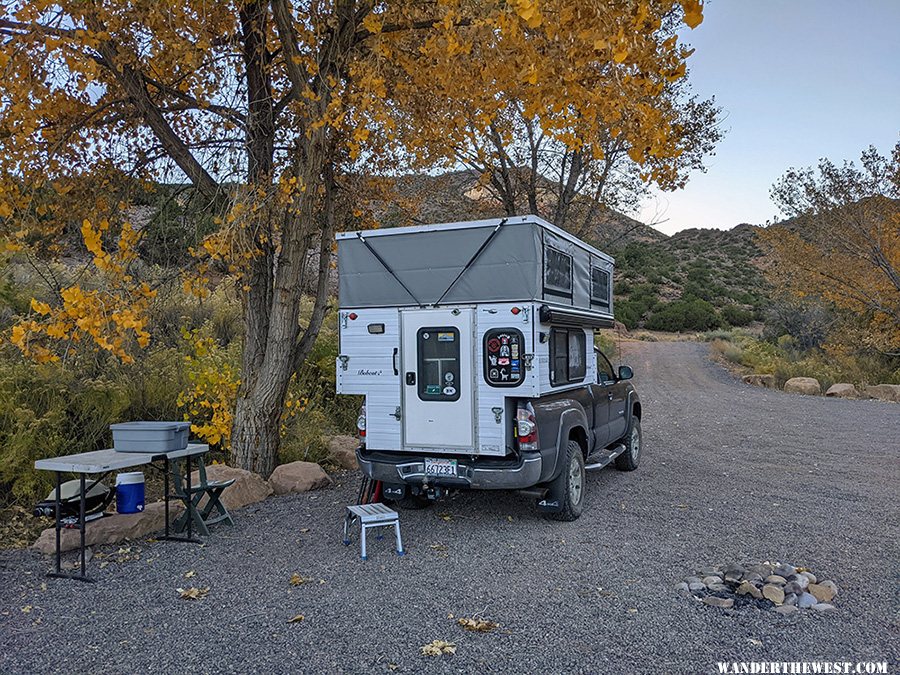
570, 484
628, 460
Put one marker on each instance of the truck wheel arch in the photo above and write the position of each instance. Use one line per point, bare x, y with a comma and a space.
573, 426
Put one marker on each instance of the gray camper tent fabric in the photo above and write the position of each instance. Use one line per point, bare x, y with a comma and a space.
512, 267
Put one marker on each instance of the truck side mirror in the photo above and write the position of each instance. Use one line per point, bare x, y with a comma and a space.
625, 373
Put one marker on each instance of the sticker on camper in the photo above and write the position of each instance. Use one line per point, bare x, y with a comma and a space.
493, 345
449, 391
446, 337
448, 378
503, 362
433, 389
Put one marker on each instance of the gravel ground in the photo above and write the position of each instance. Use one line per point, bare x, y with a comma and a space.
729, 473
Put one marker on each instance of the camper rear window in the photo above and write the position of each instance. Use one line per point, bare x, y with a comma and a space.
567, 355
438, 363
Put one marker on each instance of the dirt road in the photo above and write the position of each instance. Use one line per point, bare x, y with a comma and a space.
729, 473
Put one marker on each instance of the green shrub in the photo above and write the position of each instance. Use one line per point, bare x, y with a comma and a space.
684, 315
737, 316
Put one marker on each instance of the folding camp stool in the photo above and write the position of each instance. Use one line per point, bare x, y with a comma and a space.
371, 516
192, 496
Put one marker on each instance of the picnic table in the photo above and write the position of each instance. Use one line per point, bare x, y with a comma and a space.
101, 463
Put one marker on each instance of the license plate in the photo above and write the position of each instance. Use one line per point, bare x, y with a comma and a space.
440, 467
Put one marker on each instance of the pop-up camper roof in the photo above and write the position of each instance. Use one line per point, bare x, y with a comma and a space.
518, 259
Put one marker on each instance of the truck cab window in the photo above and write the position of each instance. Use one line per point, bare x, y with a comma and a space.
438, 356
567, 355
605, 373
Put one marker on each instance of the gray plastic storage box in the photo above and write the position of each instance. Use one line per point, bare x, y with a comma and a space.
150, 436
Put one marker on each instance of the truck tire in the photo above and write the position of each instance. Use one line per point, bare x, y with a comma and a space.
633, 440
570, 484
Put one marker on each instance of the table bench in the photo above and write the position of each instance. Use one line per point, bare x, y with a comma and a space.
101, 463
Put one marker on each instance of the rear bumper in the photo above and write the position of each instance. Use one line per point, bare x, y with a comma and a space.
477, 474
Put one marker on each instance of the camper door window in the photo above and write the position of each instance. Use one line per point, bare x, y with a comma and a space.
568, 355
438, 363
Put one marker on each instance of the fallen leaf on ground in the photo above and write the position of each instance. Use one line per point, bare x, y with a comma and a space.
296, 619
509, 518
438, 647
188, 575
438, 547
478, 625
26, 609
44, 586
755, 642
297, 580
304, 530
446, 516
193, 593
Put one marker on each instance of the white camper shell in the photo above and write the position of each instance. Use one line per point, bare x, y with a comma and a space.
443, 327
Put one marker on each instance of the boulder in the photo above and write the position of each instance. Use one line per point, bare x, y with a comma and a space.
746, 588
803, 385
806, 600
823, 592
842, 390
248, 487
884, 392
298, 477
713, 601
111, 529
342, 451
760, 380
773, 593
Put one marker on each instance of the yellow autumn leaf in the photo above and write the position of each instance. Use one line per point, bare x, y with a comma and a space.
693, 12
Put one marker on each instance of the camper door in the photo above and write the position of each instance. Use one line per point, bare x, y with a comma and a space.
438, 387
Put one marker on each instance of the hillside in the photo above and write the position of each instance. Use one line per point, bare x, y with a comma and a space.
719, 267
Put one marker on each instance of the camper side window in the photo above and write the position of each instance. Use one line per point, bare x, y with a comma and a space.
599, 287
438, 363
557, 272
503, 352
567, 355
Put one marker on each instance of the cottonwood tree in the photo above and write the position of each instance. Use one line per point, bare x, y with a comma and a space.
266, 107
843, 242
574, 174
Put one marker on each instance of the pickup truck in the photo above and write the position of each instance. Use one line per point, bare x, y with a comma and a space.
558, 437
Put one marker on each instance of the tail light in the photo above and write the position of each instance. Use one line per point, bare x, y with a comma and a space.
361, 423
526, 428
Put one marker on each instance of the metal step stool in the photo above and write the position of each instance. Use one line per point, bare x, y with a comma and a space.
370, 516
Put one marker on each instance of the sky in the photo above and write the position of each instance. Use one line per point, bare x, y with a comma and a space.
798, 80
